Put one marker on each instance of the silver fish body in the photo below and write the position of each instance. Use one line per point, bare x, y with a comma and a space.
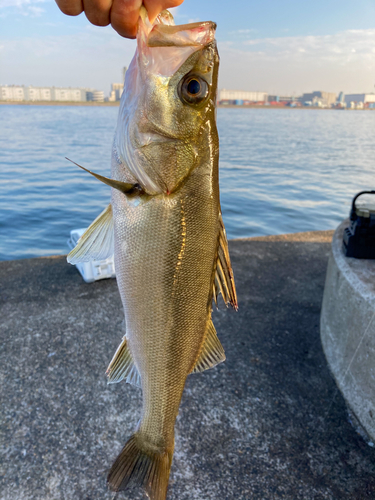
171, 253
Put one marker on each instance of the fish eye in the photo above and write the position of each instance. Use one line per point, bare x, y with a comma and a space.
193, 89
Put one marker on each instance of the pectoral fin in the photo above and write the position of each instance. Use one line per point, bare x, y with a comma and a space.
224, 279
122, 367
96, 243
124, 187
212, 352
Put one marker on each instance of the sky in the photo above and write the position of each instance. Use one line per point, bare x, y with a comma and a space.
280, 47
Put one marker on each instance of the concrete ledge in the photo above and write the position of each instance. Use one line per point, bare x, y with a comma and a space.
348, 329
306, 237
267, 424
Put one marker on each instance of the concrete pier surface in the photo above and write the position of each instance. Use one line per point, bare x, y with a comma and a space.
268, 423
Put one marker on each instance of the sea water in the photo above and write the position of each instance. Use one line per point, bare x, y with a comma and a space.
281, 171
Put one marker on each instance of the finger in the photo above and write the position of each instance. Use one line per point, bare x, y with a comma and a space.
124, 17
70, 7
98, 11
155, 7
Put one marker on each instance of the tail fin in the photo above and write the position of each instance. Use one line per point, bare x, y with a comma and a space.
143, 467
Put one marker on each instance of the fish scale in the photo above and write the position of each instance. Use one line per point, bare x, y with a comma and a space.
165, 227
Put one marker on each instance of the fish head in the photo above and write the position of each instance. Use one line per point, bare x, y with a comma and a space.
169, 102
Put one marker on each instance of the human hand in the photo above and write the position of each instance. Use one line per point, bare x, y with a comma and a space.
121, 14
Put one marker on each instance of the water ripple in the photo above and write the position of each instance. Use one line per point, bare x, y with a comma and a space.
280, 171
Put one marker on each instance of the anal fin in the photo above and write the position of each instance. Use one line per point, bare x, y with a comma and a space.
212, 352
122, 367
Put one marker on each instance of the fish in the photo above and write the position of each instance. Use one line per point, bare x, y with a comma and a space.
165, 227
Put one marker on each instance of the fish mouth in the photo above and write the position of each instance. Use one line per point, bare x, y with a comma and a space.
197, 35
165, 46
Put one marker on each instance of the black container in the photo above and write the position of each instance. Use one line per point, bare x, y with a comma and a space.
359, 237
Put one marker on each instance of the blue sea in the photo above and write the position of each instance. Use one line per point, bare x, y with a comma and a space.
281, 171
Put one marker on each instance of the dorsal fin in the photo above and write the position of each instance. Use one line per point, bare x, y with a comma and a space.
96, 243
212, 352
224, 279
122, 367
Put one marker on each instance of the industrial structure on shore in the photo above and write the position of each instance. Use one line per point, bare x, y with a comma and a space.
241, 95
319, 99
117, 88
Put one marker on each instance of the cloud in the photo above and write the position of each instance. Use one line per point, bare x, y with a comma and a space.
34, 10
19, 3
243, 31
94, 57
339, 47
341, 61
24, 7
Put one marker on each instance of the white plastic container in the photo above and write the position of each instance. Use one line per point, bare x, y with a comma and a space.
93, 270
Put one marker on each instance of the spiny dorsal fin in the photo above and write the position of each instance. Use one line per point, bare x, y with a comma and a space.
224, 279
96, 243
212, 352
122, 367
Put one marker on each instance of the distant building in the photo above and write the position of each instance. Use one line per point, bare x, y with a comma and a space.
95, 95
117, 88
116, 91
281, 98
321, 98
341, 98
12, 92
60, 94
319, 102
37, 93
242, 95
357, 98
68, 94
